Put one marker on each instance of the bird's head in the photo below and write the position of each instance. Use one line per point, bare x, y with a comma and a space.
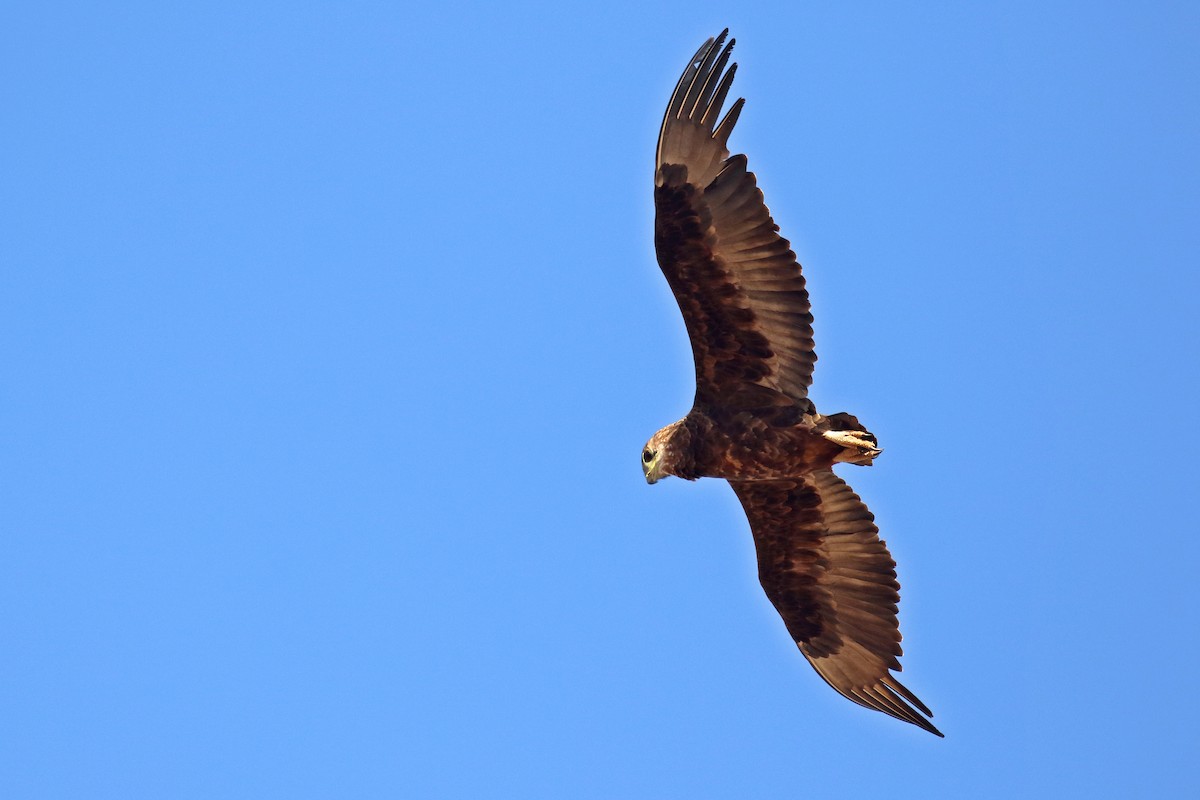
661, 454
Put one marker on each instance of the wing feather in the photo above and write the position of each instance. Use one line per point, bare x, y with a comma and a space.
736, 279
824, 568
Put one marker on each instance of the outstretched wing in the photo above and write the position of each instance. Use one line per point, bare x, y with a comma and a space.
735, 278
833, 581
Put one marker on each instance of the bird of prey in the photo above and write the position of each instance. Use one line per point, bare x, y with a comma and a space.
743, 300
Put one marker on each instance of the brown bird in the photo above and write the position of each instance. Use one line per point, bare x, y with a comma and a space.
747, 313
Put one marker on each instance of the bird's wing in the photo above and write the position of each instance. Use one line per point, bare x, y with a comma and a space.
735, 278
833, 581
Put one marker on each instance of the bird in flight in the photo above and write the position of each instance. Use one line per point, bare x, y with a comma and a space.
748, 317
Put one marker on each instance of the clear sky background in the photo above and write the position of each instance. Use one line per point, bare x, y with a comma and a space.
332, 334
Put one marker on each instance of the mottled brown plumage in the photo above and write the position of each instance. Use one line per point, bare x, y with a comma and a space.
748, 317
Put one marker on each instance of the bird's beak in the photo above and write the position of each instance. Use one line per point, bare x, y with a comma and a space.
651, 478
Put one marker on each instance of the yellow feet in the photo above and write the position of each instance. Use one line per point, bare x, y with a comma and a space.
858, 447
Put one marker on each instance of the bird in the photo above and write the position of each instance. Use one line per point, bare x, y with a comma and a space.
743, 298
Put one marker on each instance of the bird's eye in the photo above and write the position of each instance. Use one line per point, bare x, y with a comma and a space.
647, 456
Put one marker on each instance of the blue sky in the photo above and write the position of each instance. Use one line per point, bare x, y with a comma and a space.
332, 336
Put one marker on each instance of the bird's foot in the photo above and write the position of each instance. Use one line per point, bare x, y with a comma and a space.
858, 447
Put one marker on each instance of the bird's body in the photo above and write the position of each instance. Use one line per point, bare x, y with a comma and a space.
747, 312
755, 444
